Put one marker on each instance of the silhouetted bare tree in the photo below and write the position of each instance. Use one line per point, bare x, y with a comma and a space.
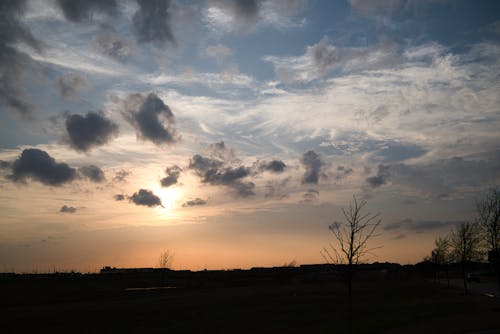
466, 246
350, 243
488, 211
441, 256
165, 260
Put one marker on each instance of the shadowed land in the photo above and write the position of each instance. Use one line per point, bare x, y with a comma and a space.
307, 299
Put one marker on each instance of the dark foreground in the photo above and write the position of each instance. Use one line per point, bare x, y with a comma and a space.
381, 305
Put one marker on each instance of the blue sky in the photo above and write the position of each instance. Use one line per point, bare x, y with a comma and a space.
238, 129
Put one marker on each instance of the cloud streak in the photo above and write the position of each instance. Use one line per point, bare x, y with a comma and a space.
13, 62
195, 202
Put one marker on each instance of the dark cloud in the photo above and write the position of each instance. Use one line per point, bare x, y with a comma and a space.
202, 165
195, 202
152, 21
121, 175
313, 164
38, 165
276, 166
421, 226
69, 83
446, 179
83, 10
173, 174
67, 209
277, 188
380, 179
310, 196
226, 175
213, 171
119, 197
343, 172
93, 173
244, 189
5, 164
153, 119
13, 62
90, 130
145, 197
109, 43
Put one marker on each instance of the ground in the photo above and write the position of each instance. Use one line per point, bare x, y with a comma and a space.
380, 306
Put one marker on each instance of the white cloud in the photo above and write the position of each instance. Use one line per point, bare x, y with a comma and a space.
323, 58
222, 17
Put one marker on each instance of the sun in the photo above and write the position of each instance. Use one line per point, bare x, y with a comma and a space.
169, 197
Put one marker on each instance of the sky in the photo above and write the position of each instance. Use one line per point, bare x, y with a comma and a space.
232, 133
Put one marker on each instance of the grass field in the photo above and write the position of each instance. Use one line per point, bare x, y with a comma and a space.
380, 306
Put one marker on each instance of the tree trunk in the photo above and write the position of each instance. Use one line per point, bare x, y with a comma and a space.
349, 292
464, 274
447, 277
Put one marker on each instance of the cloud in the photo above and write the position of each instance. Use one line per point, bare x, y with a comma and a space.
119, 197
83, 10
93, 173
152, 22
343, 172
195, 202
67, 209
152, 118
109, 43
223, 16
447, 178
69, 83
173, 174
391, 7
243, 189
13, 62
90, 130
275, 166
310, 196
421, 226
381, 178
121, 176
5, 164
241, 13
218, 51
226, 175
219, 150
324, 58
38, 165
277, 188
313, 164
145, 197
202, 165
213, 171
